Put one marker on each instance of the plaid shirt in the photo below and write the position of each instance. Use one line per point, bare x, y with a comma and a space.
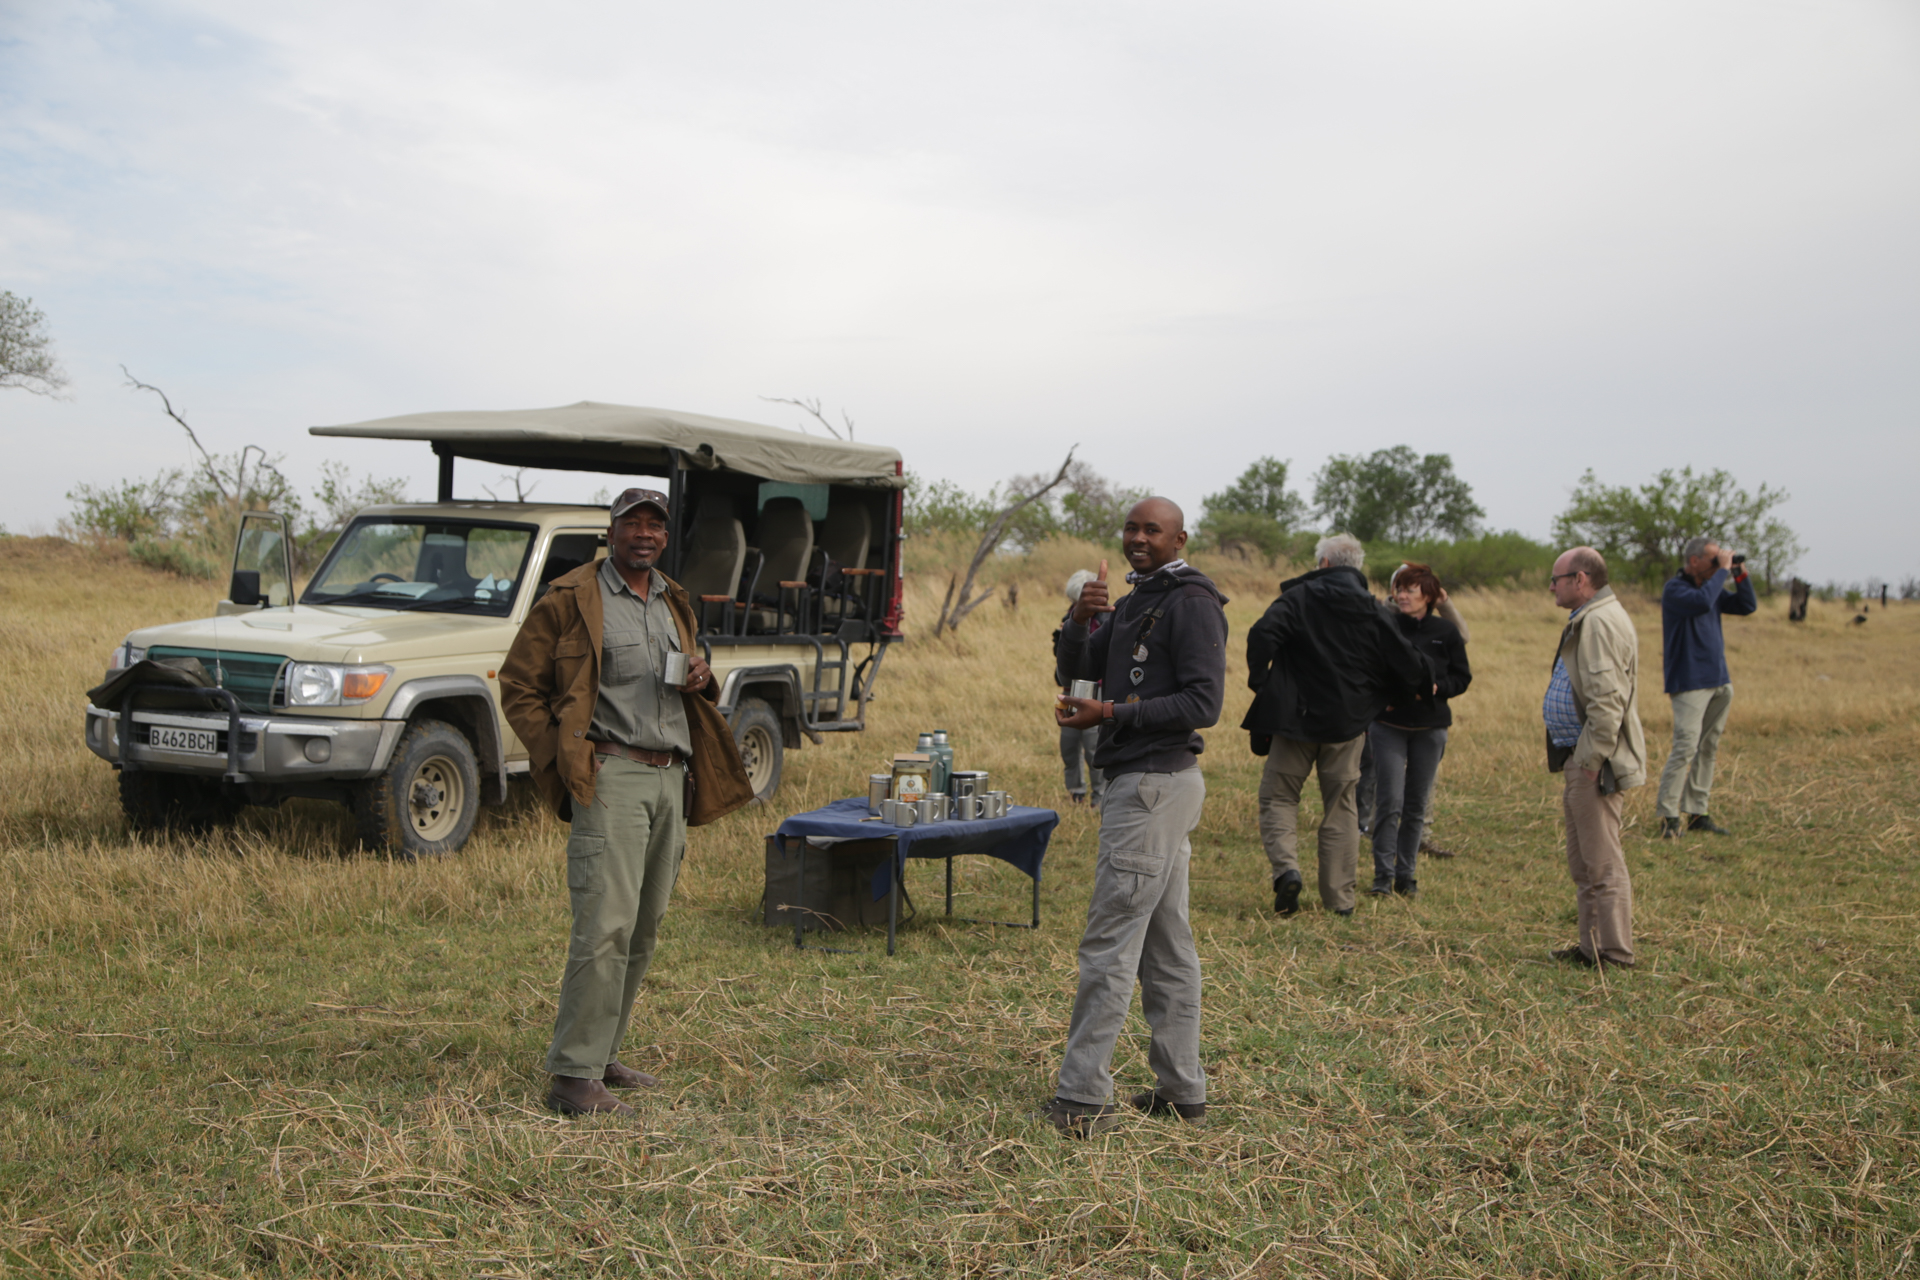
1563, 719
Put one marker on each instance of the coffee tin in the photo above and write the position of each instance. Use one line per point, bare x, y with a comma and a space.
878, 784
967, 782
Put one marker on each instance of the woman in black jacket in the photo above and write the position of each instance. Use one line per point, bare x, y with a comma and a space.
1408, 740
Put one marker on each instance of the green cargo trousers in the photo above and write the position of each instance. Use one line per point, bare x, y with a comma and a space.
622, 860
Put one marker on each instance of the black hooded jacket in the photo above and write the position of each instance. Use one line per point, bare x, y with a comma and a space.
1439, 641
1326, 658
1163, 657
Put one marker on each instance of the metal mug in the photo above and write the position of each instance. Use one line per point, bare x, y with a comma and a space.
966, 808
878, 784
677, 671
941, 804
901, 813
998, 801
923, 811
1083, 688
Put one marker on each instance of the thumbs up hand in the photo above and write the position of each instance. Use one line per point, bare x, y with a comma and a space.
1093, 597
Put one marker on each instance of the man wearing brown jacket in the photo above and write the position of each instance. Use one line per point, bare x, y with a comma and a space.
631, 761
1592, 713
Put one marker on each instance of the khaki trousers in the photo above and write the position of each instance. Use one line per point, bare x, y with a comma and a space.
1137, 930
1598, 866
1285, 777
622, 860
1698, 717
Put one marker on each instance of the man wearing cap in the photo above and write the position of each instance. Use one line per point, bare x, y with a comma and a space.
631, 761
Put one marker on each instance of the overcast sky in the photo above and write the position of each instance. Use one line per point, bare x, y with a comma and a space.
1537, 237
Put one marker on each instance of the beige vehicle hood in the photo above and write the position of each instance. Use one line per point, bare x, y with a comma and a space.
330, 633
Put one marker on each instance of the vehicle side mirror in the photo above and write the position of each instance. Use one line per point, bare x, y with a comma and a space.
245, 587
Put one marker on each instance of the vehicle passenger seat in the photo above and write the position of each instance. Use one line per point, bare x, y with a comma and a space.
785, 539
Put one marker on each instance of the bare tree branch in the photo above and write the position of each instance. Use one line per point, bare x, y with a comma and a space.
213, 473
946, 604
813, 407
990, 542
521, 489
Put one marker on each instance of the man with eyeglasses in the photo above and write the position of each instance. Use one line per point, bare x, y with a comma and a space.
1592, 715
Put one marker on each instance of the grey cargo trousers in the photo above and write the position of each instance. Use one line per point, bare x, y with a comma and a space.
1137, 929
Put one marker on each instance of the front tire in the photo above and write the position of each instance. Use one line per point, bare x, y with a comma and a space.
426, 801
756, 731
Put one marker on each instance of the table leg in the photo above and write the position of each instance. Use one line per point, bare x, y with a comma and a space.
893, 896
1036, 902
800, 908
949, 884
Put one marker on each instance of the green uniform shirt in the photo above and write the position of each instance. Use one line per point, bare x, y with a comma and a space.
635, 709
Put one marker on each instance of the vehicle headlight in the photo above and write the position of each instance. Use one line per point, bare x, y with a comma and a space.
328, 684
124, 656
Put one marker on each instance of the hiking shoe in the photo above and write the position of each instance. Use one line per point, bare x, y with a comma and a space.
1701, 822
1081, 1119
1194, 1113
1286, 893
1573, 955
1669, 828
1379, 890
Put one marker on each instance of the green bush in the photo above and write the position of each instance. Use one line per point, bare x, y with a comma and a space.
173, 557
1490, 560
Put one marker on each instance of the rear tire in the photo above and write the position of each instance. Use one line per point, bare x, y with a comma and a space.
756, 731
426, 802
157, 803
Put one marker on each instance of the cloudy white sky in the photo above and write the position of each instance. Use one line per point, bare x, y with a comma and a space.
1538, 237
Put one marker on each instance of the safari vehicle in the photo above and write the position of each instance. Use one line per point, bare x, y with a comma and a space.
378, 687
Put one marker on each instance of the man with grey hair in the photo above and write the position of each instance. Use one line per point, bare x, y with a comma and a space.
1323, 663
1698, 684
1592, 715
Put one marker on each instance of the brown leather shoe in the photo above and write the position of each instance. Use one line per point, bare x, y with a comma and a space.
1194, 1113
624, 1077
572, 1096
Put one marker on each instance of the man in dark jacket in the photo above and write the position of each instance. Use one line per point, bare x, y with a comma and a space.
1162, 656
1323, 662
1697, 681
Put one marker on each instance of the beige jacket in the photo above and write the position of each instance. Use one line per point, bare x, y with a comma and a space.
1602, 653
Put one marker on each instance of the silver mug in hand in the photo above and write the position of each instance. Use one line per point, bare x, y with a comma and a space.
1083, 689
677, 672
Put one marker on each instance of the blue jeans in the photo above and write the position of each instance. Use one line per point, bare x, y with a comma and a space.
1405, 762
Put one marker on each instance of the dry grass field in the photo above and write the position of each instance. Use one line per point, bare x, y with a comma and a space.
255, 1055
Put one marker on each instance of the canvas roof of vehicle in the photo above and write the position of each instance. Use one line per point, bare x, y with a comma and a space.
624, 439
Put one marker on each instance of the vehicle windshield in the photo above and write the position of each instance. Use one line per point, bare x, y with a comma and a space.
439, 566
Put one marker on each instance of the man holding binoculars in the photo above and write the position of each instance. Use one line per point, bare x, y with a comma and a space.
1697, 681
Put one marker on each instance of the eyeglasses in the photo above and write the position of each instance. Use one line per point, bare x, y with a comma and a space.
1554, 581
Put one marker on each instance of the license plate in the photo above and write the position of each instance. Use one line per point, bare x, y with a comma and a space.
201, 741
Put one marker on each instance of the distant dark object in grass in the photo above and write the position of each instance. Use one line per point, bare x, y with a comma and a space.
1797, 593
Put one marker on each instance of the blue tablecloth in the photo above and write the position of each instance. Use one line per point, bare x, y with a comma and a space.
1020, 838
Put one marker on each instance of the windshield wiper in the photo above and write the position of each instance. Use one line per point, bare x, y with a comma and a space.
409, 604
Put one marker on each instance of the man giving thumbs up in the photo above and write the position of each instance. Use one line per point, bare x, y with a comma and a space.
1162, 656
